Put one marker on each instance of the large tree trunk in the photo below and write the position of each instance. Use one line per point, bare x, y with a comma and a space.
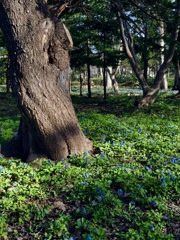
39, 70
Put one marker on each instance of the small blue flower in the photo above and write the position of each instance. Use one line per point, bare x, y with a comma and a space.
84, 211
163, 180
86, 175
102, 155
103, 140
66, 166
151, 227
173, 178
153, 204
85, 154
88, 161
1, 169
174, 160
89, 237
169, 171
25, 164
84, 183
140, 130
99, 199
15, 134
1, 156
71, 238
148, 169
49, 161
85, 131
98, 190
133, 203
120, 192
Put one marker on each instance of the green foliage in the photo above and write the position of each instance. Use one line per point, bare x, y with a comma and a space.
3, 60
94, 30
127, 189
8, 128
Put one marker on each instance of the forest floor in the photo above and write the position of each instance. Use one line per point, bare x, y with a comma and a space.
129, 188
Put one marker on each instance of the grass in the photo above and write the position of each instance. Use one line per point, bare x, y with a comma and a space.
127, 189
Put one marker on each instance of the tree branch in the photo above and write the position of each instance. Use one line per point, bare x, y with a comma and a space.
63, 6
150, 14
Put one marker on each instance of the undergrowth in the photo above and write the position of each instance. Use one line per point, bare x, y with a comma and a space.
128, 188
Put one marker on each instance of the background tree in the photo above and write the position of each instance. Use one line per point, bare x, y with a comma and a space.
176, 63
93, 24
156, 11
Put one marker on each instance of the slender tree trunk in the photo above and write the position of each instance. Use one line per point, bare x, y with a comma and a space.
88, 72
177, 77
108, 78
104, 77
129, 49
39, 70
81, 81
89, 80
7, 80
112, 75
151, 95
164, 84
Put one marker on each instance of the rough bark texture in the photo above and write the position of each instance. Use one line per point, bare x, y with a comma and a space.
39, 70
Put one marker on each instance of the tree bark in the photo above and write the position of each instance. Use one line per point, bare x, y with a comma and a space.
177, 77
81, 81
153, 91
164, 84
39, 70
112, 75
151, 95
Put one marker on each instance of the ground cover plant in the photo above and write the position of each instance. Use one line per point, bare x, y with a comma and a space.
128, 188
